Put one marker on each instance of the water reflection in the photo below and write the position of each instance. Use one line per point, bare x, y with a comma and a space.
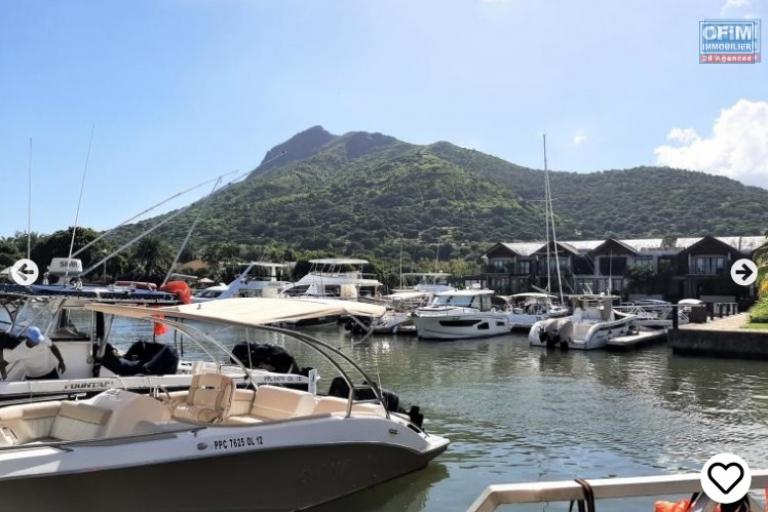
519, 414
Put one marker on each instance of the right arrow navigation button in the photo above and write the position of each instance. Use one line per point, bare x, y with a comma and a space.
744, 272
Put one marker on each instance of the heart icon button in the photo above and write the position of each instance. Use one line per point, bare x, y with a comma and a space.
726, 478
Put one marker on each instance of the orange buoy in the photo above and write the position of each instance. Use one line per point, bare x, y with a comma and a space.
180, 289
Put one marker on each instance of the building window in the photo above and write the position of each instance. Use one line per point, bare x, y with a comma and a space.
524, 267
616, 266
708, 265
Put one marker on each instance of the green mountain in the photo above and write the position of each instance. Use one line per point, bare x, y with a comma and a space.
370, 194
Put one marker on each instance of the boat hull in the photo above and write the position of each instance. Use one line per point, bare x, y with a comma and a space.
292, 478
456, 327
594, 336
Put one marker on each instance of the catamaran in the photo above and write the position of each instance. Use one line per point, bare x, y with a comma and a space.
226, 448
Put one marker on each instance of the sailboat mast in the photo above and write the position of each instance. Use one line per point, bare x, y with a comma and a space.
79, 202
546, 216
552, 221
29, 203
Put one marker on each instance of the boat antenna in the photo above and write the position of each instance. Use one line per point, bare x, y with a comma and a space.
29, 203
79, 202
552, 220
143, 234
189, 233
147, 210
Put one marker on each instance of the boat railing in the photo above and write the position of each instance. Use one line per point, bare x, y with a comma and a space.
497, 495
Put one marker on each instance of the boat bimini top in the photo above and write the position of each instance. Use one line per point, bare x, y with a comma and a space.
246, 312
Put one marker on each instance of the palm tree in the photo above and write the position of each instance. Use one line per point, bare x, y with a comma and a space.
153, 257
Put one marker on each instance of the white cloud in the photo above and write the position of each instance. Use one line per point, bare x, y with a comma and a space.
579, 139
731, 5
737, 148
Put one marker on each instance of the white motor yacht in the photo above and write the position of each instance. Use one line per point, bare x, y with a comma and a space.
461, 314
340, 278
592, 324
525, 309
258, 279
212, 446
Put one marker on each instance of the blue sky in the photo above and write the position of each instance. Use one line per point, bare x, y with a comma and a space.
179, 91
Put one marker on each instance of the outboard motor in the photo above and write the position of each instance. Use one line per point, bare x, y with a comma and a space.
340, 389
142, 358
549, 334
263, 356
564, 332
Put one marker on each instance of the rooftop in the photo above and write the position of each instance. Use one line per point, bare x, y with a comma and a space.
740, 243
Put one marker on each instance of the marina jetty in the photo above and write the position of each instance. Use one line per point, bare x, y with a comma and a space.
723, 337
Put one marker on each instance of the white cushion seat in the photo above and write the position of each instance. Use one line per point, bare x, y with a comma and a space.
335, 405
209, 399
78, 421
277, 403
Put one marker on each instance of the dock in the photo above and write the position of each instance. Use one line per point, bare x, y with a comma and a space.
723, 337
637, 340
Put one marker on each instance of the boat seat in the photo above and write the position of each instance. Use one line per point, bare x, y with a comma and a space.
242, 401
241, 420
335, 405
276, 403
209, 399
77, 421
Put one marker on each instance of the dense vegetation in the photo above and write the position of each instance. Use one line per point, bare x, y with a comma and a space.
370, 195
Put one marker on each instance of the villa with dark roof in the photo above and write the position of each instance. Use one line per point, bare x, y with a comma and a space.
672, 268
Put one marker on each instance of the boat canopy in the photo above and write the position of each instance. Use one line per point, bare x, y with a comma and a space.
407, 295
266, 264
339, 261
247, 312
427, 274
464, 293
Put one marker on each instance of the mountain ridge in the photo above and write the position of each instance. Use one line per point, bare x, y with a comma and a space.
371, 194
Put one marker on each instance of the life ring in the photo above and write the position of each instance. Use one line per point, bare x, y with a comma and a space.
180, 289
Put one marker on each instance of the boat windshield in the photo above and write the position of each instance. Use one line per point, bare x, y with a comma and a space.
37, 311
462, 301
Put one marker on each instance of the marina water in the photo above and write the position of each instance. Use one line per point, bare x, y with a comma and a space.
517, 414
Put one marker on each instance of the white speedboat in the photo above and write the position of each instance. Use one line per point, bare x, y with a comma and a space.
591, 326
213, 446
652, 314
258, 279
340, 278
461, 314
84, 339
525, 309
